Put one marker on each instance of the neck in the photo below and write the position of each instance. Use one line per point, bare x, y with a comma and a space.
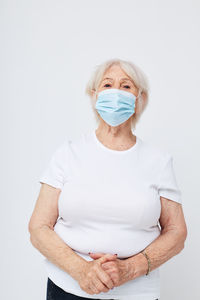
118, 137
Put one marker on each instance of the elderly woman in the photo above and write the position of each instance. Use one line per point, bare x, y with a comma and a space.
109, 211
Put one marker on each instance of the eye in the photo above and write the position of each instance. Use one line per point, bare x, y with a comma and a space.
106, 85
127, 86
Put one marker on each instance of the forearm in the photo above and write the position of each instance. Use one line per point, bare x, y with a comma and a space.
56, 250
164, 247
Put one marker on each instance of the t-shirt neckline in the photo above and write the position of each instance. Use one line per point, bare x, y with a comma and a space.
100, 145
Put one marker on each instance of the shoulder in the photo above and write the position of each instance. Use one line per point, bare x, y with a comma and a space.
69, 147
62, 148
69, 142
78, 143
154, 152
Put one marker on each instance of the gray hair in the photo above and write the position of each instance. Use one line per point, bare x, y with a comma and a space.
134, 72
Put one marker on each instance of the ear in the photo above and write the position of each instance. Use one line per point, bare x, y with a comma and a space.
93, 94
144, 97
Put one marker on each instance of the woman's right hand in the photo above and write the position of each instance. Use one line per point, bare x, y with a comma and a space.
93, 279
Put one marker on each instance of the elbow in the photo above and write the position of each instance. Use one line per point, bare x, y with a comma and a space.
34, 229
184, 233
182, 238
35, 224
32, 226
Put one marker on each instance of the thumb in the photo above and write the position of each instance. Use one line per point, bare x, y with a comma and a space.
107, 257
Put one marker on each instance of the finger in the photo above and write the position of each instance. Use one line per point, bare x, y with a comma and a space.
90, 291
105, 278
107, 257
109, 264
113, 276
96, 255
98, 286
93, 290
111, 271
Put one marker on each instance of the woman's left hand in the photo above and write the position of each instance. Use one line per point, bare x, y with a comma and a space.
119, 270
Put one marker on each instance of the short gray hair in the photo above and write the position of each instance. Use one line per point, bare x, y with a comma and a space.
134, 72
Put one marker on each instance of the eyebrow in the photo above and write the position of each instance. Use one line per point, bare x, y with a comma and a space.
121, 79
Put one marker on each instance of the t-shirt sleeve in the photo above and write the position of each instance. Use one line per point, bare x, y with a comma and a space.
55, 173
168, 187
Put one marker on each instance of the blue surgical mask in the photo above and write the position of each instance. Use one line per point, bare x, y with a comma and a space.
115, 106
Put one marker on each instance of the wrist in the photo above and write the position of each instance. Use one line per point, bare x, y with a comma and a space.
75, 266
79, 272
139, 265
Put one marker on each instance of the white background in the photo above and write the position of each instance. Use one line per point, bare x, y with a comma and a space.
48, 51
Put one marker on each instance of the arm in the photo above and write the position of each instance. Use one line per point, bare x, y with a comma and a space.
45, 239
90, 276
168, 244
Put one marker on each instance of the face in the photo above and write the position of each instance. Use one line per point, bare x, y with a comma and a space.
116, 78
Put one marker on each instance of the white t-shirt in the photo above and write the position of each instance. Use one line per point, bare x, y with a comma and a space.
110, 203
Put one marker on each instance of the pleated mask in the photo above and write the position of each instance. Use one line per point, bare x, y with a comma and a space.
115, 106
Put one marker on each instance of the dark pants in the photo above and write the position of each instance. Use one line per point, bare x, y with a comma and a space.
54, 292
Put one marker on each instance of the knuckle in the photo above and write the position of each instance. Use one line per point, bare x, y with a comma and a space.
105, 288
107, 281
95, 290
116, 270
102, 289
98, 287
95, 268
117, 280
82, 285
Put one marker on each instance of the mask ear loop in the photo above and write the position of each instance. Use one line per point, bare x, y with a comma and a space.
139, 94
95, 94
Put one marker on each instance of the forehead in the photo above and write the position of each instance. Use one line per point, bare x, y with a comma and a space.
111, 78
114, 72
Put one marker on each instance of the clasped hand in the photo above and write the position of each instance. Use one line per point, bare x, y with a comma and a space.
104, 272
